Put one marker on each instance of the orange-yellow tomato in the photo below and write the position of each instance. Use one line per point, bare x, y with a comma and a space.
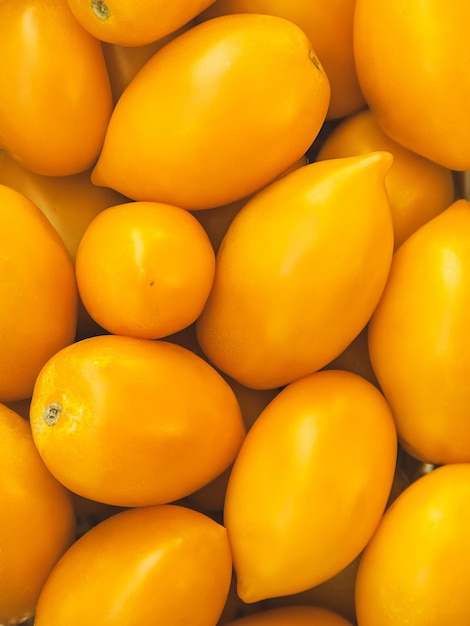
130, 422
285, 301
144, 269
68, 202
55, 96
419, 343
310, 484
292, 616
216, 114
329, 26
38, 294
412, 59
163, 564
415, 568
418, 188
129, 23
37, 520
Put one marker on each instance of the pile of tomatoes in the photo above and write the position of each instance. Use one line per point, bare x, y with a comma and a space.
235, 296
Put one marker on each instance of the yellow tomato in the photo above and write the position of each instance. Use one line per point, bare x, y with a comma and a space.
55, 96
412, 59
163, 564
329, 26
133, 422
310, 484
37, 520
418, 188
129, 23
216, 114
292, 616
415, 568
285, 301
419, 342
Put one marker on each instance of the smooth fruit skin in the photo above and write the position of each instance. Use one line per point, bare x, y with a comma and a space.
145, 269
140, 422
419, 189
292, 616
37, 519
284, 302
412, 60
310, 484
55, 96
415, 568
38, 293
419, 342
216, 114
133, 24
163, 565
329, 26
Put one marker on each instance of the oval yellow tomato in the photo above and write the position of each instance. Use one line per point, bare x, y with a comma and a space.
419, 343
412, 59
164, 564
418, 188
329, 26
38, 294
144, 269
216, 114
292, 616
415, 568
130, 422
37, 520
310, 484
129, 23
285, 301
55, 96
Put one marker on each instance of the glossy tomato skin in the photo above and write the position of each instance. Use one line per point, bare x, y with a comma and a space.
134, 422
38, 293
417, 83
163, 564
57, 124
265, 99
418, 188
310, 484
293, 616
37, 519
418, 338
329, 26
284, 300
415, 568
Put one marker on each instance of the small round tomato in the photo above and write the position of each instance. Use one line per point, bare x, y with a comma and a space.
415, 568
309, 484
164, 564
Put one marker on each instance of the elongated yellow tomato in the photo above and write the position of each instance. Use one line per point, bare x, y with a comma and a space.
415, 568
292, 616
419, 189
285, 299
132, 422
419, 344
329, 26
37, 519
217, 113
129, 23
412, 59
55, 95
310, 484
163, 564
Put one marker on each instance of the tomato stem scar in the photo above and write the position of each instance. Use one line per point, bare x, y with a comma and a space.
52, 413
100, 9
314, 59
